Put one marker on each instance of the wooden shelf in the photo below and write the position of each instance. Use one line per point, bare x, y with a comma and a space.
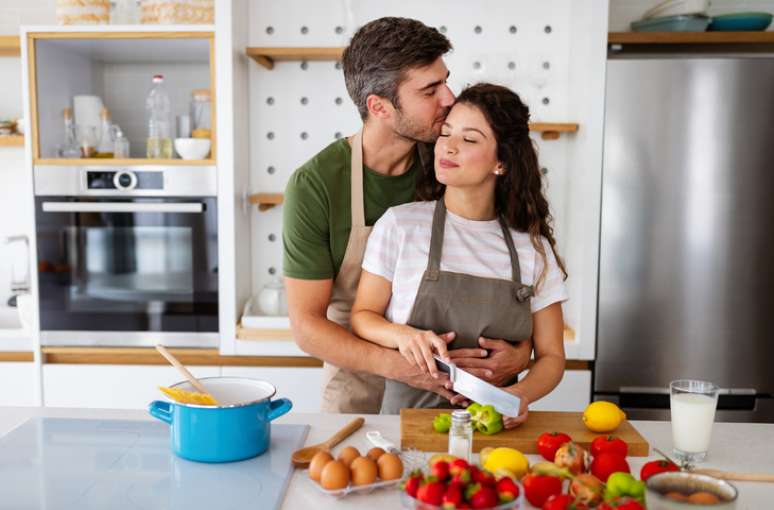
10, 46
552, 130
122, 162
12, 141
268, 56
15, 356
243, 333
690, 38
266, 201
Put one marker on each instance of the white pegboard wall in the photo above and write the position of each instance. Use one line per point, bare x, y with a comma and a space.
297, 109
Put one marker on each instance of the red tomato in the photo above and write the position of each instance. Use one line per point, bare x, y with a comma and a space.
538, 488
605, 464
549, 442
655, 467
621, 504
609, 444
558, 502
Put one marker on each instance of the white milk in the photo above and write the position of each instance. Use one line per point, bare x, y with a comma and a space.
692, 418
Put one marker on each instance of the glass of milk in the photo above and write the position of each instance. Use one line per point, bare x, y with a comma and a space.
692, 405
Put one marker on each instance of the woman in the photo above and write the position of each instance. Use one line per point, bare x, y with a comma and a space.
475, 259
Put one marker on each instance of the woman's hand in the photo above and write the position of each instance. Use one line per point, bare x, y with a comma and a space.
514, 421
417, 346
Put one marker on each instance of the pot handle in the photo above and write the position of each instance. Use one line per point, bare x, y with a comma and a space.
279, 407
161, 410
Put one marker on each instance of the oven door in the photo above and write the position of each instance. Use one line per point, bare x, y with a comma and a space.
127, 271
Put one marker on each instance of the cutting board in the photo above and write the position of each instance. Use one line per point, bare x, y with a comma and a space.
416, 431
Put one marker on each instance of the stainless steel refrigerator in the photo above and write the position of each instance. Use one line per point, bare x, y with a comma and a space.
686, 276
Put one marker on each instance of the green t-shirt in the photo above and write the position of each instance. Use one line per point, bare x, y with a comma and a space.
317, 215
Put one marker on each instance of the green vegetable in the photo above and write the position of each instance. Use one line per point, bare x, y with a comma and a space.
489, 421
623, 484
474, 410
442, 423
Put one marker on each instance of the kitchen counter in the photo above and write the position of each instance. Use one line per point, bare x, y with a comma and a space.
735, 447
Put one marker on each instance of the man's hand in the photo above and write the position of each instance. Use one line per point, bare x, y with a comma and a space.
498, 362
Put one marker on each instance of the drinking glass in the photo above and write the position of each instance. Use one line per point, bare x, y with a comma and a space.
692, 404
87, 140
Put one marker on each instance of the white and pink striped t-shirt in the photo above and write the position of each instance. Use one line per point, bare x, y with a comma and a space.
399, 246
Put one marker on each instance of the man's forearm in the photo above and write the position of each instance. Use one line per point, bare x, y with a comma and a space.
330, 342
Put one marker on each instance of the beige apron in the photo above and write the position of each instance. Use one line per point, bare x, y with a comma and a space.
345, 391
471, 306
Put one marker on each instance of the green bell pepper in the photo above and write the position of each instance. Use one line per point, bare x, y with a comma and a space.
624, 484
442, 423
489, 421
474, 410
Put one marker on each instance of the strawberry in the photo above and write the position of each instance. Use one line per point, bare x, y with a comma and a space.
452, 497
485, 497
459, 469
482, 476
440, 470
507, 490
431, 493
412, 483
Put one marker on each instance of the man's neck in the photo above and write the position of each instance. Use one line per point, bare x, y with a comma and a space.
386, 152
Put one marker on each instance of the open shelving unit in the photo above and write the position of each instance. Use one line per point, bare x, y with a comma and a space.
690, 38
12, 141
10, 46
268, 56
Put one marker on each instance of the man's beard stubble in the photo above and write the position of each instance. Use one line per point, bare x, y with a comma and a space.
408, 129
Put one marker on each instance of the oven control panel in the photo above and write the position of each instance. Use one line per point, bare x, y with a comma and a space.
124, 180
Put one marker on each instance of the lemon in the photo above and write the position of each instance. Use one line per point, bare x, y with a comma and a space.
603, 416
508, 459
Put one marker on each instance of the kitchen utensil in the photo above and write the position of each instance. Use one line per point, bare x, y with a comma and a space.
694, 23
238, 428
192, 148
416, 431
741, 22
377, 439
677, 8
479, 390
687, 483
301, 458
732, 475
180, 368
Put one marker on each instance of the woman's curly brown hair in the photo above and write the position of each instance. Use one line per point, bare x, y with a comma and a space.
518, 192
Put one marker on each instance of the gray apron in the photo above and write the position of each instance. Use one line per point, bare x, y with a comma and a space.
471, 306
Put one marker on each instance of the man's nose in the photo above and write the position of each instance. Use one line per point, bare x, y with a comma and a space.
447, 96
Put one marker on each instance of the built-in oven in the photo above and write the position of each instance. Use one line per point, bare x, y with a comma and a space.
127, 256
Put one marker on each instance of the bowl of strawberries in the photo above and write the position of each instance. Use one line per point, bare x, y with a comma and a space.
453, 483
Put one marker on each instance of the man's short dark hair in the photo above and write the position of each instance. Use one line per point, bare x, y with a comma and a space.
380, 53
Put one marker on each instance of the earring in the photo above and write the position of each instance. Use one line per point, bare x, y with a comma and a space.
499, 172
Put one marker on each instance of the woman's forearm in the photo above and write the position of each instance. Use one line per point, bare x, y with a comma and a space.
375, 328
543, 377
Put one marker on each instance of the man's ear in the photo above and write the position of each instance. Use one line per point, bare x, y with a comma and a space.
379, 107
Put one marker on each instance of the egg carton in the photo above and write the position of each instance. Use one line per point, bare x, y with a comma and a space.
355, 489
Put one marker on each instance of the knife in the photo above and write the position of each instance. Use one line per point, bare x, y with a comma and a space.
479, 390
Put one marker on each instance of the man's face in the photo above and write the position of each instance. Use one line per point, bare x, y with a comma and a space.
424, 100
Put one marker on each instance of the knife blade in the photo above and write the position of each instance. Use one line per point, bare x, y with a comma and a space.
479, 390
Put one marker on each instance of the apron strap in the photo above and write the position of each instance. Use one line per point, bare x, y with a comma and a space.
356, 178
521, 292
436, 241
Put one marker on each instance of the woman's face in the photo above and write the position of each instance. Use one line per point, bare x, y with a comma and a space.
466, 151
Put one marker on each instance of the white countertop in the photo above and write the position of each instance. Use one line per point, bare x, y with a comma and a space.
735, 447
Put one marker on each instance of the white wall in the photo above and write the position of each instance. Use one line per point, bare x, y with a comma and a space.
623, 12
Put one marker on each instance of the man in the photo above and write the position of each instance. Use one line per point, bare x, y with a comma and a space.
395, 74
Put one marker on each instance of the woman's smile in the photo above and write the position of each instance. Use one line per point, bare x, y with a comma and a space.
445, 163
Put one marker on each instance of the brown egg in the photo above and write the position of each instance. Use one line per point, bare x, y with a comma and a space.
703, 498
363, 471
374, 453
335, 475
676, 496
347, 455
390, 467
319, 461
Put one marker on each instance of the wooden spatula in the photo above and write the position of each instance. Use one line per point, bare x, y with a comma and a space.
731, 475
188, 375
301, 458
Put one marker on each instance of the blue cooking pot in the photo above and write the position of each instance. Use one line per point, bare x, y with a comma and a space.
238, 428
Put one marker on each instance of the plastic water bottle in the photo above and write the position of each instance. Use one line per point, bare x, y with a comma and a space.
159, 107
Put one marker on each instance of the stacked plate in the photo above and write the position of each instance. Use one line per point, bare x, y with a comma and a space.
691, 16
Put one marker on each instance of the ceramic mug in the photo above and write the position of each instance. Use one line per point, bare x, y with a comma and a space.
238, 428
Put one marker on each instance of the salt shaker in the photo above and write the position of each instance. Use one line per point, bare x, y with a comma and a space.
461, 435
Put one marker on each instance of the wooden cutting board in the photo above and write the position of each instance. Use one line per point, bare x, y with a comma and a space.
416, 431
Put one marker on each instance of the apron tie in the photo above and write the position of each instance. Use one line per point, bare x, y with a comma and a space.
523, 293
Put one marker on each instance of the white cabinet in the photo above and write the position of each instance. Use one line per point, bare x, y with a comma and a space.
110, 386
303, 386
17, 384
572, 394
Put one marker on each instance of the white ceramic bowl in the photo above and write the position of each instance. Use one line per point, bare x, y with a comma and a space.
192, 148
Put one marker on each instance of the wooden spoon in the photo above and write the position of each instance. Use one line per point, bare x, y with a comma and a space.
188, 375
731, 475
301, 458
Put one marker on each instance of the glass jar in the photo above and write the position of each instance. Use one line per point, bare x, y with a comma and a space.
461, 435
200, 113
272, 299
